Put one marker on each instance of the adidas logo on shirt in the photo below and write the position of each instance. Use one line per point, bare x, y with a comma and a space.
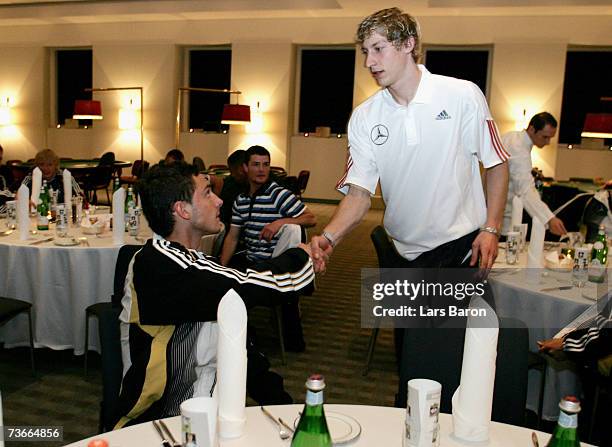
443, 115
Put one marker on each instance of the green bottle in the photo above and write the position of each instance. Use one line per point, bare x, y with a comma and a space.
130, 203
599, 257
43, 208
116, 184
566, 432
312, 429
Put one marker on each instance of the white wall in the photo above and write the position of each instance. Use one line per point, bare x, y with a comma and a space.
528, 62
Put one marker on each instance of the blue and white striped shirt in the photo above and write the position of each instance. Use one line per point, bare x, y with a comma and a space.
270, 203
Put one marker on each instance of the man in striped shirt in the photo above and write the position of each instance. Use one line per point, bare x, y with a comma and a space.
259, 214
171, 295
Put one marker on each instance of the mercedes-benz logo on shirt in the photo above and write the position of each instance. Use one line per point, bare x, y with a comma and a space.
379, 134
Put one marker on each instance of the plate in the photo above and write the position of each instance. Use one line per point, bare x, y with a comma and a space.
65, 241
342, 428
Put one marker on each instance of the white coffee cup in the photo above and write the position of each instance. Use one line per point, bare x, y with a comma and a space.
199, 422
423, 408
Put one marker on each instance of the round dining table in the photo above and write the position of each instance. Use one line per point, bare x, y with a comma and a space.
376, 426
60, 281
546, 301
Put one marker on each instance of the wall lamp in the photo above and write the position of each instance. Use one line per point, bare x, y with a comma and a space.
91, 109
232, 113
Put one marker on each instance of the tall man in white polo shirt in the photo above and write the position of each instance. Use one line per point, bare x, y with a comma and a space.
541, 129
422, 137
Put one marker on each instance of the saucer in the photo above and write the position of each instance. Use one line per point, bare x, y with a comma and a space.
65, 241
342, 428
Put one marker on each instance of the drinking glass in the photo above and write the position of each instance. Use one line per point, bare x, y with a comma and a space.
513, 241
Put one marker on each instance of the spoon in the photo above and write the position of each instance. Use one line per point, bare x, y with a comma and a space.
284, 434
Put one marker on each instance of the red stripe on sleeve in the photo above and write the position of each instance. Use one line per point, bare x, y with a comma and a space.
349, 163
496, 141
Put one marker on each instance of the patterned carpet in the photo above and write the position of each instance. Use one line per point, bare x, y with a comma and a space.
336, 347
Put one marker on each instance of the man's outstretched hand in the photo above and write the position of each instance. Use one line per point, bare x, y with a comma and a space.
321, 251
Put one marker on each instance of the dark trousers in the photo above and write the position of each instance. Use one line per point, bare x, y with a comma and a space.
453, 254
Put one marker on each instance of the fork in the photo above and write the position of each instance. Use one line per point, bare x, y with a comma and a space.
165, 442
284, 434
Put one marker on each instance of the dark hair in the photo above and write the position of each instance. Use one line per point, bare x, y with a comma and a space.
255, 150
236, 158
541, 119
175, 154
160, 188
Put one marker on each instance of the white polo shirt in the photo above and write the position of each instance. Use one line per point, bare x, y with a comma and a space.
426, 157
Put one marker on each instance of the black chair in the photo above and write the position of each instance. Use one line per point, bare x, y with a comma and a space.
110, 343
437, 353
10, 308
112, 365
98, 178
387, 256
302, 182
126, 253
139, 167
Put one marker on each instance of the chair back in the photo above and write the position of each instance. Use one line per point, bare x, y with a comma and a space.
110, 341
217, 167
107, 159
112, 365
139, 167
199, 164
302, 181
385, 250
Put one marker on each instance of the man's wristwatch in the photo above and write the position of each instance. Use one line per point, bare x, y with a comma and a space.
491, 230
330, 238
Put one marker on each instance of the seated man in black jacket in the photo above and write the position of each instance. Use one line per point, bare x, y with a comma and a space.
172, 292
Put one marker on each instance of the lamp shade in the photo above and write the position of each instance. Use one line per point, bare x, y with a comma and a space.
85, 109
236, 114
597, 125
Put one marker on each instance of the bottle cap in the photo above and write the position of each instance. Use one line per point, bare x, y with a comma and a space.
316, 382
570, 404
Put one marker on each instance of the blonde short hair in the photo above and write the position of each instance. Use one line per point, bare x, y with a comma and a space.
46, 156
396, 25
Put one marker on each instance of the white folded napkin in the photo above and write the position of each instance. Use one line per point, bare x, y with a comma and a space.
473, 400
536, 245
119, 216
232, 365
67, 178
517, 210
23, 212
36, 184
289, 236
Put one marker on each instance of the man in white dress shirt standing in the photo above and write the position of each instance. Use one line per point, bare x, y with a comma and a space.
541, 129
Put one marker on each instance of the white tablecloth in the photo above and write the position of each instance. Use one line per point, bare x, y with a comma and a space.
381, 426
544, 313
60, 282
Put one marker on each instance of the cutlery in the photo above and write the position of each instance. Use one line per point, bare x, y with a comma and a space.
551, 289
169, 434
285, 424
534, 439
165, 442
6, 233
41, 241
284, 434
